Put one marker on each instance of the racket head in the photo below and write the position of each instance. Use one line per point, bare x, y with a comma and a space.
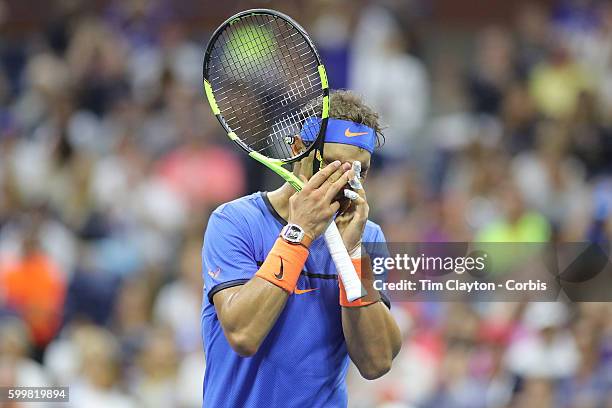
263, 78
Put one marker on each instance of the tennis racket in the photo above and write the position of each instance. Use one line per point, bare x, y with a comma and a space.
261, 76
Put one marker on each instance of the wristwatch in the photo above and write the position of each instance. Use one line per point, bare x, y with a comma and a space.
295, 235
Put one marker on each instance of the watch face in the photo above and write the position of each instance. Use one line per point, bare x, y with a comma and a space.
293, 233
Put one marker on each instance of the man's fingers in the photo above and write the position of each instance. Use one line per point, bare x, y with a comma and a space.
350, 194
335, 206
354, 206
335, 176
318, 179
354, 194
338, 185
304, 166
361, 192
360, 206
355, 182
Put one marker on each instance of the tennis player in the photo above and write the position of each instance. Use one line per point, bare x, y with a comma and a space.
277, 326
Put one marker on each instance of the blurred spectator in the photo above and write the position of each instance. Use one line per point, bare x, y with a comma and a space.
110, 163
221, 175
91, 293
332, 31
132, 317
533, 35
494, 69
393, 82
158, 363
547, 350
99, 383
35, 289
178, 303
517, 223
190, 377
550, 179
557, 83
16, 367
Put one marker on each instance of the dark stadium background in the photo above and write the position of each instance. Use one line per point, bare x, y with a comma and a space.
500, 129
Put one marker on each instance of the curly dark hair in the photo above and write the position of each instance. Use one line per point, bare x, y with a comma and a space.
348, 105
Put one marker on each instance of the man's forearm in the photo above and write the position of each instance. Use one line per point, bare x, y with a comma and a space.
372, 338
248, 312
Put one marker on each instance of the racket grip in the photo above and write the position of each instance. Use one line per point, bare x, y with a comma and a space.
344, 265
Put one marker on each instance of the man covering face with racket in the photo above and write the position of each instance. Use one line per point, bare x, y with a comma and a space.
277, 325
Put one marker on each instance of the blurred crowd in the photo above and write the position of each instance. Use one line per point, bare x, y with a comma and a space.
110, 163
514, 146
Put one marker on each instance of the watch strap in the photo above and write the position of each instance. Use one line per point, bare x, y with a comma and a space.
307, 240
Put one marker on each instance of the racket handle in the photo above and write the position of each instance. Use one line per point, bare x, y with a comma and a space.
344, 265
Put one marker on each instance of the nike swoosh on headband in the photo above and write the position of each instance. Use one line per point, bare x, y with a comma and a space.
340, 131
348, 133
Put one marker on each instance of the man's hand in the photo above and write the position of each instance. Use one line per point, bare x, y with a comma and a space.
314, 206
352, 221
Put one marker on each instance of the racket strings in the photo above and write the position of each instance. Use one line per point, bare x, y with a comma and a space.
270, 101
252, 39
269, 140
235, 65
267, 76
259, 42
289, 126
263, 72
314, 75
256, 42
